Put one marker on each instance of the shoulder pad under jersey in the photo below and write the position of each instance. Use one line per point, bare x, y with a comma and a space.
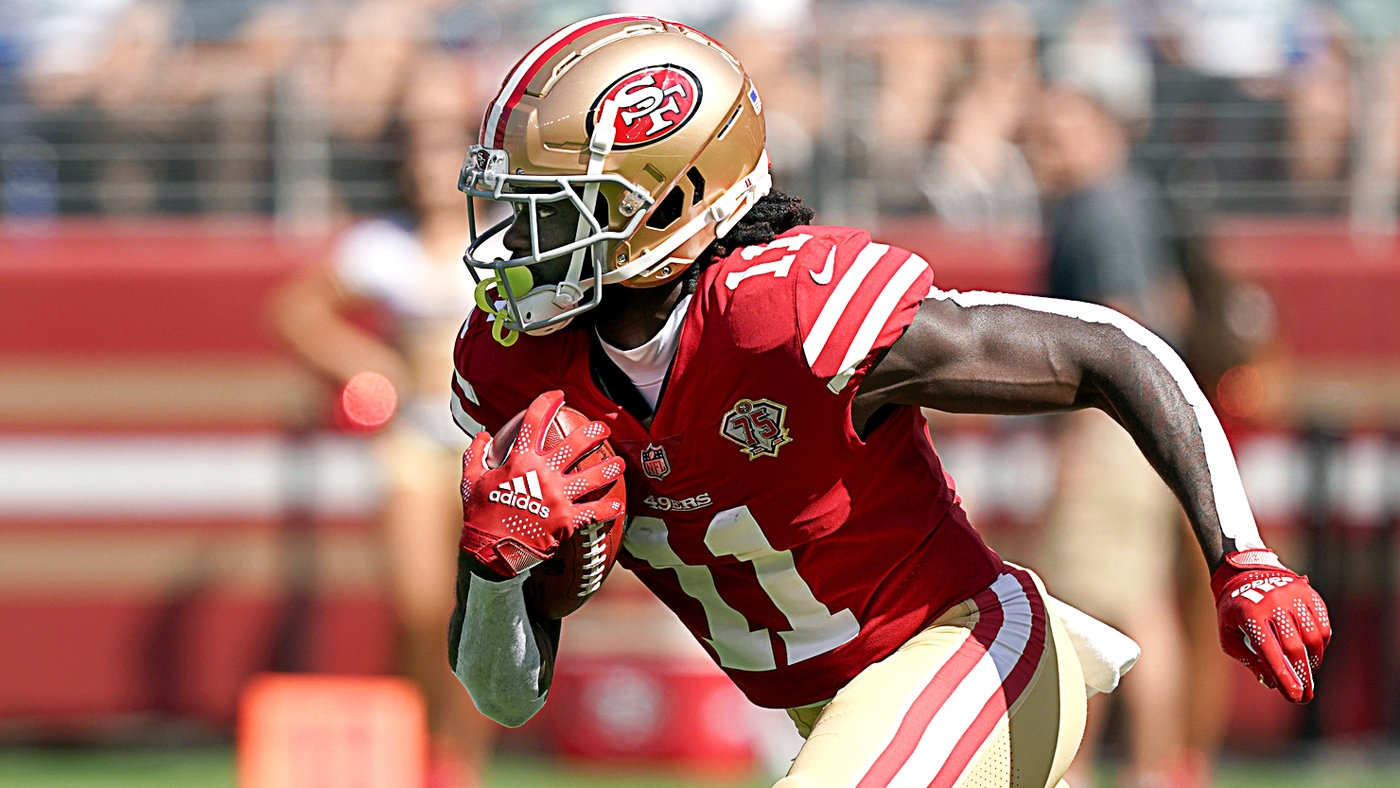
838, 296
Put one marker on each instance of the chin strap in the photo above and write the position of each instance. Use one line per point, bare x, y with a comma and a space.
569, 292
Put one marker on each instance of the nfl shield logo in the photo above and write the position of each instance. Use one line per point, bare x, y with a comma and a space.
654, 463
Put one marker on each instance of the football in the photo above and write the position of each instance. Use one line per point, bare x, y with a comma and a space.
560, 584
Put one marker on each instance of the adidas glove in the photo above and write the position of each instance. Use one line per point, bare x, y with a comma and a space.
1271, 620
515, 515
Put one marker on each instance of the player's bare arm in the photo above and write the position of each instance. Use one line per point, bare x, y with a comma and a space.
1009, 359
1007, 354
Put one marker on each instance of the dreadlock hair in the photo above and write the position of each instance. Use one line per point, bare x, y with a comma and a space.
771, 216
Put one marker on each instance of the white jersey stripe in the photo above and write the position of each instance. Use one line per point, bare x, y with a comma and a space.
526, 66
839, 299
464, 421
875, 320
1016, 625
1231, 505
467, 390
970, 696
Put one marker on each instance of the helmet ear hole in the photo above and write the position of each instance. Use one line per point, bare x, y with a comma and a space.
668, 211
600, 210
698, 181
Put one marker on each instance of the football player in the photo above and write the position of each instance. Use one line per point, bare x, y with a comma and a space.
763, 378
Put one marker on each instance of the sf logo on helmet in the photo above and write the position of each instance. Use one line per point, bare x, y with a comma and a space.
652, 103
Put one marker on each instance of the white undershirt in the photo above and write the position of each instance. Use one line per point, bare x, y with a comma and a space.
646, 365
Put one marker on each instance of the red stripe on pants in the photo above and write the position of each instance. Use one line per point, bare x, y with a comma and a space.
936, 693
1011, 689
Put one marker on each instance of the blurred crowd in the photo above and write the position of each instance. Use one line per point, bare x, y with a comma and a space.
302, 108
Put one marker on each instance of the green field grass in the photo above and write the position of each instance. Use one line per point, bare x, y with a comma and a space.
116, 768
212, 767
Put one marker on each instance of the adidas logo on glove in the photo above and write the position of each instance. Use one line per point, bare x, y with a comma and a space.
1251, 590
521, 492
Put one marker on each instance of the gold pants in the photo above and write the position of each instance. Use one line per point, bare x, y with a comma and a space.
990, 696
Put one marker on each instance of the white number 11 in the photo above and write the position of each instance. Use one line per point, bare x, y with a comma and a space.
734, 532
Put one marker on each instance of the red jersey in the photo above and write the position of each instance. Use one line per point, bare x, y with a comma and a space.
796, 553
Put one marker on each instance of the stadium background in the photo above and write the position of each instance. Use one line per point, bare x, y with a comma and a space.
179, 512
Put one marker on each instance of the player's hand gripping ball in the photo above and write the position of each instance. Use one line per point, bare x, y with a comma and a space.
1272, 620
545, 494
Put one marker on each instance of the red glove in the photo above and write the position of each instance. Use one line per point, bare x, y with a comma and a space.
1271, 620
517, 514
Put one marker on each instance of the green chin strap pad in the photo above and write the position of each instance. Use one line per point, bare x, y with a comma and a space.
521, 281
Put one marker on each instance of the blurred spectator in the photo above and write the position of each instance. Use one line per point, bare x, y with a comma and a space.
977, 177
1375, 193
409, 267
1107, 244
1247, 86
232, 51
143, 84
439, 104
96, 69
378, 44
914, 51
77, 46
387, 48
884, 68
1319, 99
28, 166
1105, 228
1239, 39
412, 63
774, 40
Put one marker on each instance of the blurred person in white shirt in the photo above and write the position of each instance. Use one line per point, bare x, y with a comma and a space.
1262, 90
73, 46
1239, 39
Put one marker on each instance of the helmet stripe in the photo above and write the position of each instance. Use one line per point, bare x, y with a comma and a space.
514, 86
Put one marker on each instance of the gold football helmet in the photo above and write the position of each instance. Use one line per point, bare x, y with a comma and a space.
650, 129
